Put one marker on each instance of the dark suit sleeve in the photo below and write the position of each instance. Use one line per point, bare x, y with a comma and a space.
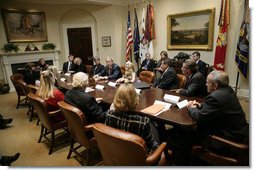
103, 72
65, 67
202, 68
151, 65
96, 113
116, 73
167, 80
194, 88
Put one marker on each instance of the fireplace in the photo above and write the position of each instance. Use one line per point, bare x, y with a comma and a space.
14, 62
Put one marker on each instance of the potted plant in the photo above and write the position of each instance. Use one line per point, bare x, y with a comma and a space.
48, 46
10, 47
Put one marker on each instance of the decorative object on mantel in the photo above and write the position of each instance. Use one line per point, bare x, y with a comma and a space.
4, 88
10, 47
31, 47
48, 46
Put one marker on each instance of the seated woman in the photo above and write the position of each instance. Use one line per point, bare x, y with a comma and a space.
85, 102
49, 93
122, 116
78, 65
129, 74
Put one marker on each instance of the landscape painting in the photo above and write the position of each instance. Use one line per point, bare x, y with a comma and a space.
193, 30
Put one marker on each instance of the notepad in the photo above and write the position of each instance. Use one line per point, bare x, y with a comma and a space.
171, 98
182, 104
112, 84
153, 109
99, 87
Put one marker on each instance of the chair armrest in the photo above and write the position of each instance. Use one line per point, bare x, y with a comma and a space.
54, 113
88, 127
229, 143
155, 156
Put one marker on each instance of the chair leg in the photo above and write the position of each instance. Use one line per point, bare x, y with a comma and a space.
38, 121
42, 130
52, 142
18, 102
88, 154
71, 148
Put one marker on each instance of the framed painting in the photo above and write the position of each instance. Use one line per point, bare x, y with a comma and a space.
106, 41
24, 26
191, 31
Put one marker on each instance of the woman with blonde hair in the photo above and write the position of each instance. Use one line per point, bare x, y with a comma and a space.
122, 115
85, 102
78, 65
129, 74
49, 93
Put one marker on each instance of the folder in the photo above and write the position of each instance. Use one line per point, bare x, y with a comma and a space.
153, 109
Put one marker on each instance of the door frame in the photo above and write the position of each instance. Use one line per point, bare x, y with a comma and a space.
65, 37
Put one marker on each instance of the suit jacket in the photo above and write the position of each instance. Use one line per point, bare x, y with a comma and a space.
86, 103
114, 73
65, 66
168, 80
222, 114
202, 67
96, 70
78, 68
195, 86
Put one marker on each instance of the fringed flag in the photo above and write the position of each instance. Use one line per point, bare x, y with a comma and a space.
242, 51
143, 41
136, 37
129, 41
221, 44
150, 29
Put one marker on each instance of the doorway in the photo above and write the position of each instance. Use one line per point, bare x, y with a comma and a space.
80, 43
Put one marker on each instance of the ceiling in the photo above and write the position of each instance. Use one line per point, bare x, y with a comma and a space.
73, 2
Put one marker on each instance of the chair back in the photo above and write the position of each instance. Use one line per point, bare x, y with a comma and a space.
181, 80
23, 86
88, 68
209, 69
147, 76
41, 110
122, 67
14, 78
76, 122
119, 148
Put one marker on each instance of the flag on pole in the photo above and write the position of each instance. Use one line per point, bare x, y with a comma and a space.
242, 51
129, 41
143, 41
221, 44
136, 37
150, 29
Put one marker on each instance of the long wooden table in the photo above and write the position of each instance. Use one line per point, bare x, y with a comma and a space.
174, 116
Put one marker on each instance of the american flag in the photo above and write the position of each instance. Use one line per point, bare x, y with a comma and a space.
129, 39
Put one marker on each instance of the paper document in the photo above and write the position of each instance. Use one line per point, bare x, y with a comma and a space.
171, 98
182, 104
138, 91
89, 89
165, 104
99, 87
112, 84
153, 109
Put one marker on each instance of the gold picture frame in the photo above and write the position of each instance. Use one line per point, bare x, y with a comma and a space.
24, 26
106, 41
191, 30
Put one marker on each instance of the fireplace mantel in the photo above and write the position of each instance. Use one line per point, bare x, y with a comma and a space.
24, 57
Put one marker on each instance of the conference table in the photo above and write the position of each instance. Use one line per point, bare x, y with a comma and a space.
174, 116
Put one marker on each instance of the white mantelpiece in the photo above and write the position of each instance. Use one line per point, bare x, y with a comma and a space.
24, 57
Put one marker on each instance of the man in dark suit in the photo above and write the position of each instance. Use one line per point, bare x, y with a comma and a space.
201, 64
111, 71
97, 67
67, 66
168, 79
147, 65
196, 83
221, 114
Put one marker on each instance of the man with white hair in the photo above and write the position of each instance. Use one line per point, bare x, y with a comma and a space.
85, 102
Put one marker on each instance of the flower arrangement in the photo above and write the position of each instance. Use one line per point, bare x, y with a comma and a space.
10, 47
48, 46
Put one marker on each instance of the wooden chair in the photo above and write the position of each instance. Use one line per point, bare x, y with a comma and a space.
121, 148
14, 78
214, 158
48, 123
181, 80
88, 68
147, 76
79, 130
122, 69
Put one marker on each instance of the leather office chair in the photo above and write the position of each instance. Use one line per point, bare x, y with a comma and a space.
78, 128
48, 124
121, 148
181, 80
88, 68
14, 78
147, 76
122, 69
214, 158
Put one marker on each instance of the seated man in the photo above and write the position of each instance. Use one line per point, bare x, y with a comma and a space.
67, 66
195, 85
97, 67
147, 65
168, 79
221, 114
84, 101
111, 71
201, 64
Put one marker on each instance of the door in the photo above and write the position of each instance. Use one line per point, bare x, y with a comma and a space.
80, 44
